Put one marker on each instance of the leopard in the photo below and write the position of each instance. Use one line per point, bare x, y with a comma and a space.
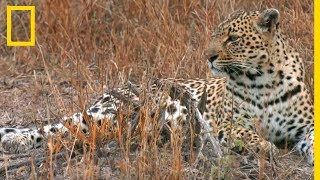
174, 106
257, 93
266, 80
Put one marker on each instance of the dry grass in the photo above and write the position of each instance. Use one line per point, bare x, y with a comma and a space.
84, 47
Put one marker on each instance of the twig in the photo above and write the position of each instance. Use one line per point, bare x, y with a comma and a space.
203, 100
27, 162
207, 136
13, 157
135, 121
133, 88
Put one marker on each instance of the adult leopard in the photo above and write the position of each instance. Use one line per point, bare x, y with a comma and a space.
265, 79
258, 96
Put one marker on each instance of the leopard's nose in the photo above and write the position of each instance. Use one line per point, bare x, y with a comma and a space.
213, 58
211, 55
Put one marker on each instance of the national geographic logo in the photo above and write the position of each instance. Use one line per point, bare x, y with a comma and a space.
32, 41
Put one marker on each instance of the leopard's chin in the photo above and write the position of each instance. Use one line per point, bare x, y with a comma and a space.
217, 71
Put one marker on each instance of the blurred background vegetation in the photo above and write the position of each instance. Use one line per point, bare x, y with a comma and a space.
106, 41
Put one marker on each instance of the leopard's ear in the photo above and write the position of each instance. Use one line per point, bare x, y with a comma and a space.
268, 21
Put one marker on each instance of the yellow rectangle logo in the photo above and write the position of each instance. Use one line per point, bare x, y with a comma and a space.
32, 26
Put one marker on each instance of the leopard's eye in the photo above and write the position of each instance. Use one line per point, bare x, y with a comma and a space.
233, 38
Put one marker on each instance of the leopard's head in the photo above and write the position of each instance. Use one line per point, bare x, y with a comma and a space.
243, 43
